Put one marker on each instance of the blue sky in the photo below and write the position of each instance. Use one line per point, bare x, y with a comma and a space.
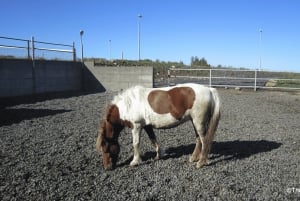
225, 32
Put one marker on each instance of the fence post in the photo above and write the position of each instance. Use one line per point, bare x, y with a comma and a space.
169, 75
255, 76
28, 49
33, 66
32, 46
74, 52
209, 77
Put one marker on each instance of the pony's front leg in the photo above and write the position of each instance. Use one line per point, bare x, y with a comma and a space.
136, 131
151, 135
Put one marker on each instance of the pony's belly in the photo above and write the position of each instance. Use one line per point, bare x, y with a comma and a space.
166, 121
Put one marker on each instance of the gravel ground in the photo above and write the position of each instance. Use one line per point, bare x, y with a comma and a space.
48, 153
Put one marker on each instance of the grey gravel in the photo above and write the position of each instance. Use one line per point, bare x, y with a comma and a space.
48, 153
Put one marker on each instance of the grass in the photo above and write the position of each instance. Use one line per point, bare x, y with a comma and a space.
288, 83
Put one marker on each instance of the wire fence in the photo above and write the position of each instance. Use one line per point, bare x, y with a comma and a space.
32, 49
230, 78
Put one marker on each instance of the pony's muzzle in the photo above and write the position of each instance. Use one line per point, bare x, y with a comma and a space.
108, 167
107, 161
111, 156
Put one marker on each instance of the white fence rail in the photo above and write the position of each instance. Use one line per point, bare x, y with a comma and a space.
235, 78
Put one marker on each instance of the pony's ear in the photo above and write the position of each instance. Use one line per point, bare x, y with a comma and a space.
112, 115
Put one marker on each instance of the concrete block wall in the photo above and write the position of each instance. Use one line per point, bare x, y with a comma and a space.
21, 77
16, 77
57, 76
120, 78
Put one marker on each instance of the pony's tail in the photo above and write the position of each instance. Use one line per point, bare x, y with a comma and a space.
215, 116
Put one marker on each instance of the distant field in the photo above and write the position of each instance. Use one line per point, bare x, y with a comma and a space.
227, 77
288, 83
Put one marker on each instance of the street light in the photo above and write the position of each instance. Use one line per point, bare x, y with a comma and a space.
139, 35
109, 48
81, 34
260, 38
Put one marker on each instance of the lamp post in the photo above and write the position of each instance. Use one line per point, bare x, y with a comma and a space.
81, 34
260, 38
109, 48
139, 35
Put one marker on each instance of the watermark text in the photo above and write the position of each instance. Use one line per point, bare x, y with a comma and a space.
293, 190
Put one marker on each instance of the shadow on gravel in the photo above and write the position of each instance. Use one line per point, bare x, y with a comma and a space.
30, 99
232, 150
229, 150
11, 116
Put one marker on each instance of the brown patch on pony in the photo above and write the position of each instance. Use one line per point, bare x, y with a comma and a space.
175, 101
107, 143
113, 117
112, 114
108, 134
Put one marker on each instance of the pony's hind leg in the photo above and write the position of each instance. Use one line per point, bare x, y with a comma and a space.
204, 152
199, 130
196, 153
151, 135
200, 153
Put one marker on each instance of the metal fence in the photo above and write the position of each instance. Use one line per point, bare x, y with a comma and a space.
32, 49
234, 78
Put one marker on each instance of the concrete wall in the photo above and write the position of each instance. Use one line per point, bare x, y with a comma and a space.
58, 76
117, 78
19, 77
15, 77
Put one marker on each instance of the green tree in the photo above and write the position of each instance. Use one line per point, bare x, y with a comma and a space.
195, 61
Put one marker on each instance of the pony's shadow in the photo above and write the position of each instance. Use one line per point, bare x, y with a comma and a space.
220, 151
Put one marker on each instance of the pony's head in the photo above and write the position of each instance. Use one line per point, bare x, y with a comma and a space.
107, 142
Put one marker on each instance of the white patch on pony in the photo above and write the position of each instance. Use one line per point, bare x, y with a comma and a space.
130, 103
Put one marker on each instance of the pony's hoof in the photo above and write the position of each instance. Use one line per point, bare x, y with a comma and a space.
135, 162
160, 154
200, 164
157, 158
193, 159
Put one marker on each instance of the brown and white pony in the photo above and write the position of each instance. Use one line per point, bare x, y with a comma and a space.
147, 108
